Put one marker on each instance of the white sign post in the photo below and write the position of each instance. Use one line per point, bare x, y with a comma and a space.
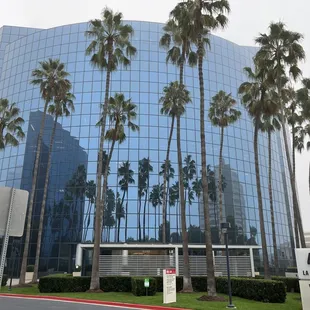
169, 286
13, 206
303, 266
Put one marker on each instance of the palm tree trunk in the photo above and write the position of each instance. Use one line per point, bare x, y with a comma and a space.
274, 237
208, 238
165, 182
297, 216
119, 217
118, 229
220, 183
40, 232
126, 219
145, 202
187, 281
139, 219
294, 174
22, 278
155, 224
95, 282
260, 206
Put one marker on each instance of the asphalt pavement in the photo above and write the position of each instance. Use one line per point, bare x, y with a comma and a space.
8, 303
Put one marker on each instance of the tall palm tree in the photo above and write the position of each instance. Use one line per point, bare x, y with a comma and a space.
156, 198
174, 197
271, 123
207, 15
126, 173
179, 33
51, 77
222, 113
90, 194
62, 106
121, 112
110, 47
10, 124
145, 168
257, 101
178, 98
169, 175
282, 50
189, 171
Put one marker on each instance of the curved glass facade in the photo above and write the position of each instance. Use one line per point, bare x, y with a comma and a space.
70, 203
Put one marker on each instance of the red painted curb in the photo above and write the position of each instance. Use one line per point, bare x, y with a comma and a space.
93, 302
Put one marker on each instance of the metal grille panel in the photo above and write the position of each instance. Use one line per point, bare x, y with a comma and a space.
152, 265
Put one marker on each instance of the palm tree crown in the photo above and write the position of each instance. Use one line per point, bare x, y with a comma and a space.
10, 124
110, 37
221, 111
52, 78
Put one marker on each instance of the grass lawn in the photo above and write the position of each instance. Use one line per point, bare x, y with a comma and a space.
183, 300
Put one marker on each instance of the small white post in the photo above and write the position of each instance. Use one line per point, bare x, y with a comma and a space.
176, 253
252, 262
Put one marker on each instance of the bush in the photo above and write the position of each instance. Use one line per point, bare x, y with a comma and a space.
116, 284
63, 284
77, 268
4, 280
292, 284
138, 289
254, 289
30, 268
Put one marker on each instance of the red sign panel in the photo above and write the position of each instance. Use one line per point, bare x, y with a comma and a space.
170, 271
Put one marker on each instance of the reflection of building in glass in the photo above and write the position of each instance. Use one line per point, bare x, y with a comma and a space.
134, 215
66, 196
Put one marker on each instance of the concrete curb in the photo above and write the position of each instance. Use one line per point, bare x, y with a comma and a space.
90, 302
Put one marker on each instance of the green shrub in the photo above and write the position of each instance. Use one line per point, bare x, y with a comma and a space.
4, 280
30, 268
63, 284
292, 284
254, 289
77, 268
116, 284
138, 289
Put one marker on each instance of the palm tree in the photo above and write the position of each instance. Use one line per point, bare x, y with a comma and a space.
174, 197
108, 219
110, 47
167, 176
121, 112
10, 124
127, 174
52, 79
222, 113
90, 194
189, 171
207, 15
119, 214
63, 106
282, 50
271, 123
257, 101
145, 168
156, 198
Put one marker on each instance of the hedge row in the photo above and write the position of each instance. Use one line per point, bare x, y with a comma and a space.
292, 284
255, 289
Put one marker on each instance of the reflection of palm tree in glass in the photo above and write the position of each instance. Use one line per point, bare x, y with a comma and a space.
145, 168
156, 197
108, 218
169, 176
126, 173
77, 186
189, 171
90, 194
119, 214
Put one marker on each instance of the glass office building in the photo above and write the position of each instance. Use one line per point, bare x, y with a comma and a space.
136, 215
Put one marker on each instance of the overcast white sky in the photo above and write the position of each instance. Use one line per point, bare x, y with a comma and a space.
247, 19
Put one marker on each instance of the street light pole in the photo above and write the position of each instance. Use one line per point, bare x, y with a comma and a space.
225, 227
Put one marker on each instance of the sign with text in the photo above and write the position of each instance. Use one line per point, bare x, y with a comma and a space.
146, 283
169, 286
305, 293
303, 263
